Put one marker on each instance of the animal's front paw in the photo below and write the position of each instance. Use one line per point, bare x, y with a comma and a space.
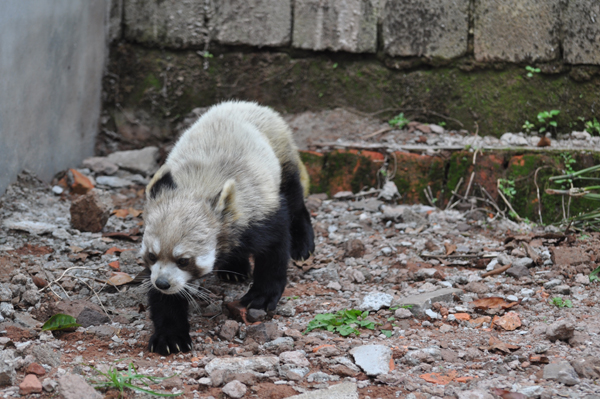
232, 276
169, 342
262, 297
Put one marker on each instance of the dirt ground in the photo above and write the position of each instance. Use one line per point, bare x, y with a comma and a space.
529, 328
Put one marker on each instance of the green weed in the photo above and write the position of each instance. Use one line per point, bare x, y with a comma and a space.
594, 275
561, 303
527, 126
125, 379
508, 188
593, 127
531, 70
399, 121
546, 118
344, 322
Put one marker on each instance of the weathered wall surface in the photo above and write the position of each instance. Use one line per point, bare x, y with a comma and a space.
502, 30
52, 55
459, 60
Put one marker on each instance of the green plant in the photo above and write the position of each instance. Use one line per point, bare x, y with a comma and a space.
594, 275
442, 124
546, 118
528, 126
343, 322
335, 65
399, 121
387, 333
121, 380
507, 187
531, 70
60, 322
593, 126
561, 303
401, 306
206, 54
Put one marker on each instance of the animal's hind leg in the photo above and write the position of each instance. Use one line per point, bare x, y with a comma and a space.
234, 269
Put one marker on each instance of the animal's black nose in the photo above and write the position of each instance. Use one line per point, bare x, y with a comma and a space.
162, 283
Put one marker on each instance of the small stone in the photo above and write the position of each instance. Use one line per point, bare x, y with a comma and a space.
375, 301
90, 317
562, 372
345, 390
373, 359
34, 228
334, 285
7, 367
259, 364
30, 384
255, 315
446, 328
280, 344
325, 274
403, 313
90, 212
288, 309
504, 259
518, 271
229, 330
562, 289
35, 368
320, 376
354, 249
477, 287
58, 190
552, 283
431, 314
513, 139
234, 389
426, 355
73, 386
7, 309
588, 367
421, 302
49, 385
562, 330
296, 358
474, 394
100, 165
263, 332
389, 191
6, 294
437, 129
523, 262
79, 183
113, 181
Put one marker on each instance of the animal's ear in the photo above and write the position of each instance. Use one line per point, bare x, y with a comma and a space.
162, 180
225, 203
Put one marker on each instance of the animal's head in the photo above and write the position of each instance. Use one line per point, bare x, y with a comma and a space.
181, 231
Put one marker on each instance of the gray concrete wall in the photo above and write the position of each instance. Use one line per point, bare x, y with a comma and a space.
515, 31
52, 55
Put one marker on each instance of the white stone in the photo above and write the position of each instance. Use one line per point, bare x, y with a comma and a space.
37, 228
375, 301
234, 389
373, 359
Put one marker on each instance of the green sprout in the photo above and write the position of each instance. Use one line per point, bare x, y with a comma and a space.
561, 303
344, 322
531, 70
546, 118
121, 380
399, 121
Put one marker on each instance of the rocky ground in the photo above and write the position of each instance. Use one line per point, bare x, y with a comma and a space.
462, 304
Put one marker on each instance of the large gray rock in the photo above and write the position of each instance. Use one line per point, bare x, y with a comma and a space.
258, 364
588, 367
345, 390
562, 372
375, 301
517, 30
474, 394
430, 28
72, 386
167, 23
138, 161
254, 22
338, 25
581, 21
561, 330
373, 359
36, 228
420, 303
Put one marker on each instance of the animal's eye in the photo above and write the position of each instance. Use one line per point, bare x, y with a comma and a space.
183, 262
152, 258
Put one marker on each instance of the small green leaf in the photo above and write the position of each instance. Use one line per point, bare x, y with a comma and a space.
60, 322
594, 275
387, 333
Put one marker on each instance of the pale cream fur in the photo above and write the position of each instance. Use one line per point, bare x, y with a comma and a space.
228, 163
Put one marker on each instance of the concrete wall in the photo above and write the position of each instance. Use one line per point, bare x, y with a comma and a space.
52, 55
516, 31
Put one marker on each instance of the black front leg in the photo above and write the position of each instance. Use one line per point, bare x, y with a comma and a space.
270, 271
169, 313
